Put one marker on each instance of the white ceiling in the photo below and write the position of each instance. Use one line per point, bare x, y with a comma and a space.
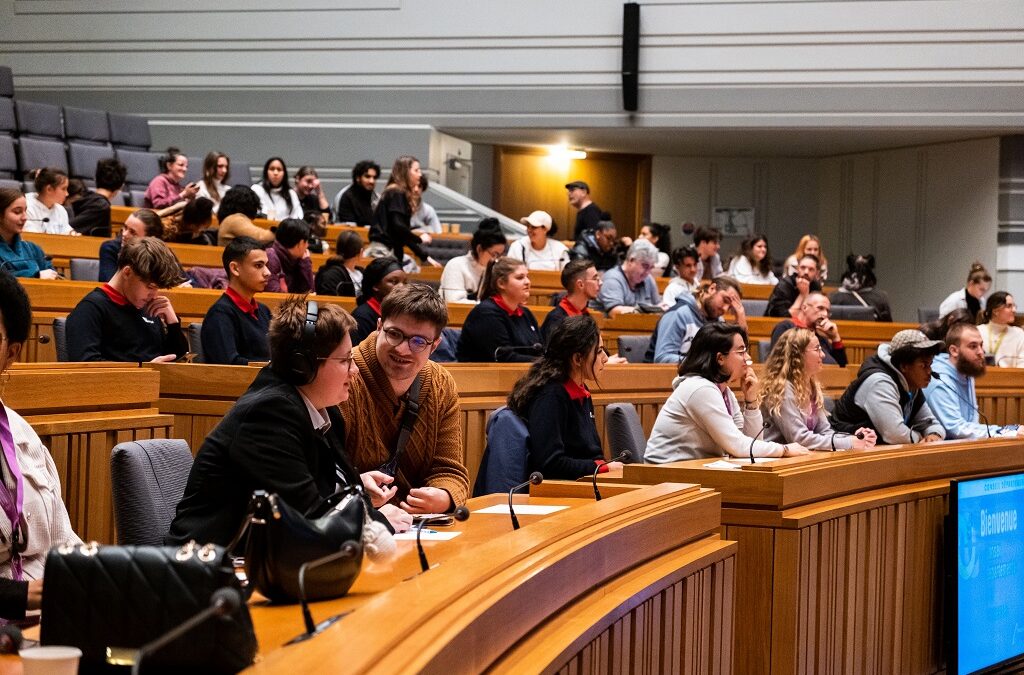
725, 142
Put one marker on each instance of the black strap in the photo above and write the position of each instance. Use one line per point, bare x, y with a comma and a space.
412, 411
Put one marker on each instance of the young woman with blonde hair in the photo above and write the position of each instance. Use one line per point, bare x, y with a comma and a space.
809, 245
791, 399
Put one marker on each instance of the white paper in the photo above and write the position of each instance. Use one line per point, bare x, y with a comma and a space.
721, 464
523, 509
427, 535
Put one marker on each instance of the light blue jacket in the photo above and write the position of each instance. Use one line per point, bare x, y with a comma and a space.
676, 328
953, 401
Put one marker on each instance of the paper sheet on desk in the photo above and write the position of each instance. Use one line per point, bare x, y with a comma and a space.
523, 509
735, 463
426, 536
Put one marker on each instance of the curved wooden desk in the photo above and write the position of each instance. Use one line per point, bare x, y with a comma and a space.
637, 578
840, 563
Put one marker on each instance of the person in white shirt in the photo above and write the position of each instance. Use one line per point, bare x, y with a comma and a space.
278, 200
536, 249
661, 236
46, 212
1003, 341
702, 417
216, 172
809, 245
970, 296
684, 260
754, 264
460, 279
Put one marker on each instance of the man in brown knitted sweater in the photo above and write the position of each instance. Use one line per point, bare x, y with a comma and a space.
430, 475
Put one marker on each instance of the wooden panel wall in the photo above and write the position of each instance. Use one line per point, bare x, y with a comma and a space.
527, 179
847, 585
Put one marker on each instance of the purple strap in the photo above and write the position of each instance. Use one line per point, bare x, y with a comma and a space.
725, 397
12, 505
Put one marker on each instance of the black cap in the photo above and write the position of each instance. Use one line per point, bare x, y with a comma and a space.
577, 184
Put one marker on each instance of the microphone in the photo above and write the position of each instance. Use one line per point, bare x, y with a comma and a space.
10, 639
347, 550
859, 434
764, 427
41, 339
975, 408
536, 478
460, 514
223, 602
621, 456
535, 349
37, 220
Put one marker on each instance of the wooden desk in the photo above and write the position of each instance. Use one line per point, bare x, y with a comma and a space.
840, 566
637, 578
80, 413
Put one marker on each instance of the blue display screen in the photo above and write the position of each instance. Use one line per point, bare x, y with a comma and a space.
989, 587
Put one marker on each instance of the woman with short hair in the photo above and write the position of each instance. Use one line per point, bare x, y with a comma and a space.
291, 270
340, 274
702, 417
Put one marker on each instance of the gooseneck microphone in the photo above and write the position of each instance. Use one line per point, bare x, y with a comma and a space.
223, 602
536, 478
347, 550
618, 458
38, 220
973, 406
764, 427
460, 514
859, 434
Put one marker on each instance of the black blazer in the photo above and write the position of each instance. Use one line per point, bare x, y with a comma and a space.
265, 442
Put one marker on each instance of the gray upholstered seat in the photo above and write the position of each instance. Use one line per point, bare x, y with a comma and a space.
6, 82
624, 432
87, 126
85, 269
8, 123
141, 167
754, 307
927, 314
82, 158
195, 170
764, 347
35, 153
10, 183
38, 119
8, 157
634, 347
60, 338
240, 173
852, 313
130, 132
195, 341
148, 479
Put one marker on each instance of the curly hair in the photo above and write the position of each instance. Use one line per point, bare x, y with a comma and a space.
785, 365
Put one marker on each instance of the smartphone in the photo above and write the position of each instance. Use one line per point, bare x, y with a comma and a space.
442, 519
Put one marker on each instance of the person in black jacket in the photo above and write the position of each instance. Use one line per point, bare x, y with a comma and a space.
788, 296
355, 203
391, 230
235, 327
381, 276
285, 435
600, 245
554, 401
92, 209
340, 275
126, 319
501, 328
142, 223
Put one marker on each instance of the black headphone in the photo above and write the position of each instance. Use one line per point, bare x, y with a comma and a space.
301, 364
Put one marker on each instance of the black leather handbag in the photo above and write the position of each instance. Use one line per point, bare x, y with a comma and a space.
281, 540
117, 598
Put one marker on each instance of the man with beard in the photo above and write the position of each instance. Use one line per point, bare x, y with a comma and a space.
674, 331
952, 395
355, 203
791, 292
815, 315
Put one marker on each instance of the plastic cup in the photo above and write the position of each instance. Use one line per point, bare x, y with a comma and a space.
54, 660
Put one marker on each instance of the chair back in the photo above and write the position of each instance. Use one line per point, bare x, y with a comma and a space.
60, 338
853, 313
927, 314
764, 347
624, 432
447, 349
195, 341
634, 347
148, 479
505, 461
85, 269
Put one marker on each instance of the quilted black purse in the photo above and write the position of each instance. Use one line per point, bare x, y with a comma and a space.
117, 598
281, 540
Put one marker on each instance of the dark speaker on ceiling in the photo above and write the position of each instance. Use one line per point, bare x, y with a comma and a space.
630, 55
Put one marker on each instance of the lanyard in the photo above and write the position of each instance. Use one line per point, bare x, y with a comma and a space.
12, 504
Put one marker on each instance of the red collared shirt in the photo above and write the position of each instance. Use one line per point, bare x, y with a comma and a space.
518, 311
250, 308
374, 304
115, 295
576, 392
570, 309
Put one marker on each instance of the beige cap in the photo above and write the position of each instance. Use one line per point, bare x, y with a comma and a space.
538, 219
912, 338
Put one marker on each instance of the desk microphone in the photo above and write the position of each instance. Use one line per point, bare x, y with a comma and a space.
859, 434
620, 457
38, 220
460, 514
764, 427
347, 550
536, 478
223, 602
973, 407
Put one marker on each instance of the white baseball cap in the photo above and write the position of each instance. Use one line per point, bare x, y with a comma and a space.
538, 219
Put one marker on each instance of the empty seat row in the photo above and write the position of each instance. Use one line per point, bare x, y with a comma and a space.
30, 119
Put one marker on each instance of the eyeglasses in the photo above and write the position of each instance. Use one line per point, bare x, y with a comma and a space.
741, 350
395, 337
816, 347
340, 359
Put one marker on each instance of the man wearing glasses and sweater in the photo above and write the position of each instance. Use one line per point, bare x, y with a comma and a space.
394, 371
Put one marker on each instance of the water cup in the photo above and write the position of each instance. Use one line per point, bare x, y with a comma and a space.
53, 660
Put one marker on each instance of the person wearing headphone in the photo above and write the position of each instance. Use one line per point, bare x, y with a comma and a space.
285, 434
